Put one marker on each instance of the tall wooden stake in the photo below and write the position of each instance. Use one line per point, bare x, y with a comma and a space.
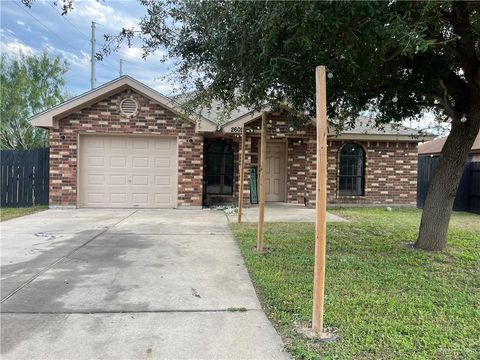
321, 201
262, 175
242, 171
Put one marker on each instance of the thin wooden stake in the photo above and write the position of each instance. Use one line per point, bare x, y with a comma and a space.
242, 175
262, 175
321, 201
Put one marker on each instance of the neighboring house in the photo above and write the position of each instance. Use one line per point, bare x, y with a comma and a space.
125, 145
434, 147
467, 197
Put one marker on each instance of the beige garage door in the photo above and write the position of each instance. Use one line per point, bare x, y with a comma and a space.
128, 171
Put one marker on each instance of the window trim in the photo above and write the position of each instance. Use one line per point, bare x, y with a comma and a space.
362, 176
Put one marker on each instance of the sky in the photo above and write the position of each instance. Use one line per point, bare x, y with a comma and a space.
31, 30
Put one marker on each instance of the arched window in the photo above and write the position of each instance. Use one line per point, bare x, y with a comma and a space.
351, 177
219, 168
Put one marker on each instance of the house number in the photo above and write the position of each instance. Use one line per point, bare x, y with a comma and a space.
237, 129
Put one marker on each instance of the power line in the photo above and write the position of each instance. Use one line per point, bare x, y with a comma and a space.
65, 18
46, 27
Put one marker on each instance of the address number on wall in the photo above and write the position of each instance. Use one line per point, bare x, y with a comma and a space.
236, 129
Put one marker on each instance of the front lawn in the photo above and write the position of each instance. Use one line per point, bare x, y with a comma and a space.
385, 299
10, 213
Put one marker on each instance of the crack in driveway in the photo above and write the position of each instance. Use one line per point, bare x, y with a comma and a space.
26, 283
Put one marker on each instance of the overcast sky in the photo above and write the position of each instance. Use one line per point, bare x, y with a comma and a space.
43, 27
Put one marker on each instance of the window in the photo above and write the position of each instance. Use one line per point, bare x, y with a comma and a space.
351, 177
219, 168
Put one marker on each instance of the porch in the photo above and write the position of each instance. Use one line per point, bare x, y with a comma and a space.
282, 212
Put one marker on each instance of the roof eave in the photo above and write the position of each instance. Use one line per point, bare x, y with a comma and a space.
48, 118
379, 137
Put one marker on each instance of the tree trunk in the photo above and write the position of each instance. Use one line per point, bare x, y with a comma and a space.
443, 187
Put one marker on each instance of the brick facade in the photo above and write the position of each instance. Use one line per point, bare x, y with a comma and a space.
390, 172
390, 166
104, 117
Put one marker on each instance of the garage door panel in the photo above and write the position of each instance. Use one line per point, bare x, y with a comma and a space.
96, 179
140, 162
140, 144
161, 199
119, 198
97, 161
163, 163
95, 143
162, 180
139, 180
128, 171
96, 198
119, 143
118, 180
118, 161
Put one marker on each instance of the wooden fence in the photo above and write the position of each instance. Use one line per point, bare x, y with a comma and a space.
24, 177
468, 193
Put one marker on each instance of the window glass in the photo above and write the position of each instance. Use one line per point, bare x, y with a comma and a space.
219, 168
351, 170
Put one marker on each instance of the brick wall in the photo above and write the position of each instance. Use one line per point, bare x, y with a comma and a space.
104, 117
390, 173
390, 170
390, 166
297, 136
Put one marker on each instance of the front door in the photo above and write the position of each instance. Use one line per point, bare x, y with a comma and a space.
275, 172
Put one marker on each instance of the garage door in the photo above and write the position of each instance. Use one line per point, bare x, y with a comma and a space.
128, 171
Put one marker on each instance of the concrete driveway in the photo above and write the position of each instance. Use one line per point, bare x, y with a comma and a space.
128, 284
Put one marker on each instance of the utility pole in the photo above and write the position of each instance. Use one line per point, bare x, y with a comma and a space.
93, 60
121, 67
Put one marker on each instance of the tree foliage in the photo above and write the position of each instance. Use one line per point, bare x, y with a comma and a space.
29, 85
396, 59
422, 53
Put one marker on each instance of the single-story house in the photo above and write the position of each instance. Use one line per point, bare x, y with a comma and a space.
123, 144
434, 148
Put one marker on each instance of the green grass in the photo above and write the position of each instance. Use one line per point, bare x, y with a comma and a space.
385, 299
10, 213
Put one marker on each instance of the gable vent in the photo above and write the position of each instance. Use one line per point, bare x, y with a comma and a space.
128, 107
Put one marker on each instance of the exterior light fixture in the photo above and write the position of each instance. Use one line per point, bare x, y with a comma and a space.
463, 119
395, 98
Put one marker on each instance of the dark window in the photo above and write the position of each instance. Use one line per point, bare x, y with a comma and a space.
219, 168
351, 178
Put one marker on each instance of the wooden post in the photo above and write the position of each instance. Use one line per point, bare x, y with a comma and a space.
321, 201
262, 176
242, 175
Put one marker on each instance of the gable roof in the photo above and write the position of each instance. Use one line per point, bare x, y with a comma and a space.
212, 118
364, 127
48, 118
435, 146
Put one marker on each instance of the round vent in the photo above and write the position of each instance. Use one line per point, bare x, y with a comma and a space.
128, 107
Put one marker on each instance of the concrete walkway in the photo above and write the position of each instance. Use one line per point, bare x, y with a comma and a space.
127, 284
283, 212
